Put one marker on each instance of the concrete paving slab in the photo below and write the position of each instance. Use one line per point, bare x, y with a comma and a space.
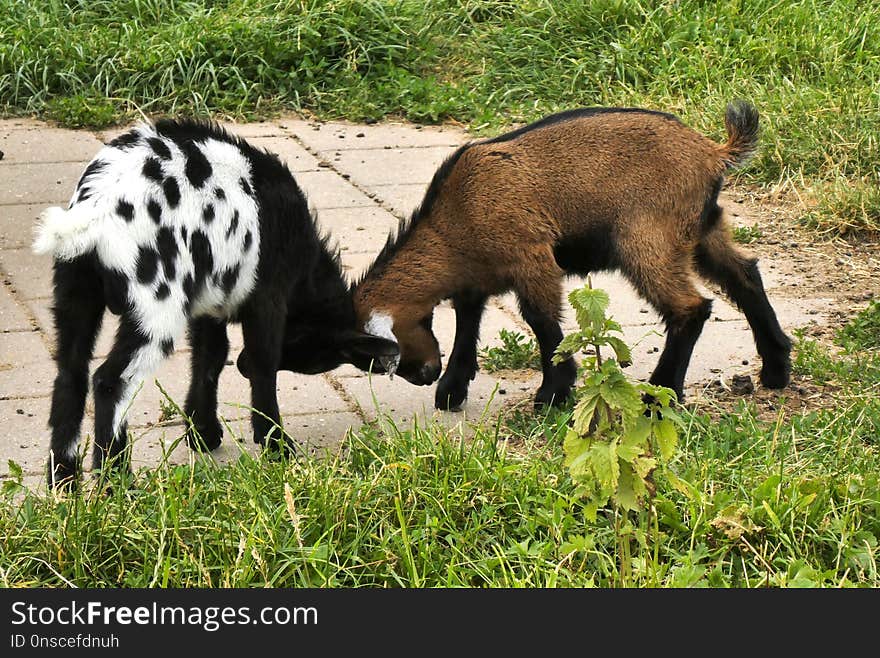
29, 275
325, 189
339, 135
256, 129
12, 317
20, 123
45, 144
392, 166
25, 434
47, 183
296, 393
291, 153
17, 225
400, 199
26, 369
315, 434
358, 230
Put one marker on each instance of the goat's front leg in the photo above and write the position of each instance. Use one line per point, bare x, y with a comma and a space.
263, 329
210, 347
462, 366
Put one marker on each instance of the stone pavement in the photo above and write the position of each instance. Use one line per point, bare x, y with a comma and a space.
361, 179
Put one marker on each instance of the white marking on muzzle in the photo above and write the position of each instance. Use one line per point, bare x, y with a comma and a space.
380, 325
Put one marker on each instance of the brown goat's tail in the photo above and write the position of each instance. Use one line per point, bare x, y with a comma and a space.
741, 121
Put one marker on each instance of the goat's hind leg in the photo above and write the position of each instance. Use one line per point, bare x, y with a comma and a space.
462, 366
720, 261
78, 310
666, 283
210, 347
134, 356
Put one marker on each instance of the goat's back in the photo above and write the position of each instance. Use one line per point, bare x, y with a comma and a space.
572, 172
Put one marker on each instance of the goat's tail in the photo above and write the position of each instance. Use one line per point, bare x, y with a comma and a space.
741, 121
64, 233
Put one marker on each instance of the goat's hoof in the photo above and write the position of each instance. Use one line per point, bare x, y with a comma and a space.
205, 436
65, 477
281, 448
551, 397
450, 395
776, 377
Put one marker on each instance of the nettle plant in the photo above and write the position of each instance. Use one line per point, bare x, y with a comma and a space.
621, 430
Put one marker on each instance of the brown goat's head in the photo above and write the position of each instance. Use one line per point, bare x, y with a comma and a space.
419, 358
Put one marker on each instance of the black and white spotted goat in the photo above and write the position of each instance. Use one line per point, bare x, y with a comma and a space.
179, 225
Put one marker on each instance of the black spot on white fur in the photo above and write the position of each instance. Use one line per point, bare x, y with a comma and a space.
167, 246
125, 210
159, 147
208, 213
172, 191
155, 211
152, 170
147, 264
202, 256
233, 225
126, 140
198, 169
162, 292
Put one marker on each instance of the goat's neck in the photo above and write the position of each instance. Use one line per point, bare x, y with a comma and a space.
420, 275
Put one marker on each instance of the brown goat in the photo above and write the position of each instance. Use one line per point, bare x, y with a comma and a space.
591, 189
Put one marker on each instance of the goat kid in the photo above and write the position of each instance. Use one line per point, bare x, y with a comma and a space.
585, 190
179, 225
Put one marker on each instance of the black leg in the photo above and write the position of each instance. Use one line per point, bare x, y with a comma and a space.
210, 347
740, 279
682, 333
78, 311
263, 328
558, 378
462, 366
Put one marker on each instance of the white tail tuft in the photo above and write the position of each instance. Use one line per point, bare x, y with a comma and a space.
63, 233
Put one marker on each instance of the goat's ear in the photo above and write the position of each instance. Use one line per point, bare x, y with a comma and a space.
357, 346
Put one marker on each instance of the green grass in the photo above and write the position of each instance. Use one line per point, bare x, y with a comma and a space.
790, 502
747, 234
812, 68
516, 352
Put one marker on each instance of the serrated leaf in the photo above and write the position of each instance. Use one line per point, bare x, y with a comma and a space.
584, 412
571, 344
591, 507
620, 394
638, 429
606, 467
663, 396
621, 350
629, 453
589, 306
667, 437
15, 470
626, 496
644, 465
576, 450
